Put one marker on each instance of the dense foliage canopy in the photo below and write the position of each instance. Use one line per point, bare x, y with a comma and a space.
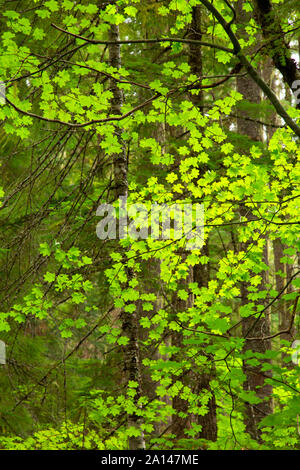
142, 342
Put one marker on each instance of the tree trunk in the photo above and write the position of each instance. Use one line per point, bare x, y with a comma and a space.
279, 50
128, 320
180, 423
201, 272
255, 379
253, 327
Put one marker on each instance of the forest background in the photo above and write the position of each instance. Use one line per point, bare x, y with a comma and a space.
145, 343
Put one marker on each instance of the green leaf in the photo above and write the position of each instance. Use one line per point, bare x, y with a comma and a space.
49, 277
45, 249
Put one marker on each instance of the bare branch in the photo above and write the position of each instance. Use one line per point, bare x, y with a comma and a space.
146, 41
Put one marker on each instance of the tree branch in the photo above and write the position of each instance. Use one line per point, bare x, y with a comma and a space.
251, 70
280, 50
146, 41
88, 123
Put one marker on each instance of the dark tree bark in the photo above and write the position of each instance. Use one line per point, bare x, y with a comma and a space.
255, 378
253, 327
180, 423
201, 273
209, 420
195, 56
129, 320
278, 49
